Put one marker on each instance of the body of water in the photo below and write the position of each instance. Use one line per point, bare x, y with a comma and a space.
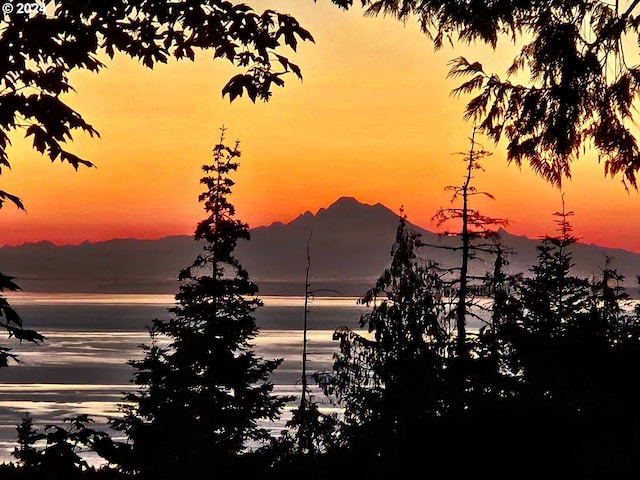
81, 367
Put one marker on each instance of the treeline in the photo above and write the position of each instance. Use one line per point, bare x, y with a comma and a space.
547, 386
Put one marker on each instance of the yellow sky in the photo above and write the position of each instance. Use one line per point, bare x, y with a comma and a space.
373, 119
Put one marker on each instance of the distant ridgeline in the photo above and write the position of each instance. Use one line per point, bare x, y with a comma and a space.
350, 246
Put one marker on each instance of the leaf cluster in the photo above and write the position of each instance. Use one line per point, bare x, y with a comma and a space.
11, 321
38, 53
57, 450
579, 92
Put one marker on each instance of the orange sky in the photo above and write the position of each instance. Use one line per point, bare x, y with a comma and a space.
373, 119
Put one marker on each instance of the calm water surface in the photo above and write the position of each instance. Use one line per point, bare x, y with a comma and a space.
81, 367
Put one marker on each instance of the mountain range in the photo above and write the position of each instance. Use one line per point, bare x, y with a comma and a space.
349, 246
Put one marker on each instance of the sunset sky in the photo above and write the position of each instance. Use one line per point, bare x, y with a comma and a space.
373, 119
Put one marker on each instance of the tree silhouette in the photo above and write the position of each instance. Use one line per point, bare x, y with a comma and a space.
552, 297
309, 433
42, 49
477, 234
473, 226
573, 349
552, 302
56, 452
303, 415
26, 452
580, 87
391, 381
609, 294
202, 389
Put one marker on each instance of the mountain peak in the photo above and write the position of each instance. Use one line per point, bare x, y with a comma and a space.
346, 202
350, 207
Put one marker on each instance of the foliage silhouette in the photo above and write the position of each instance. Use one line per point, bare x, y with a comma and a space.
575, 350
55, 453
580, 87
390, 381
26, 452
202, 389
548, 380
11, 321
41, 50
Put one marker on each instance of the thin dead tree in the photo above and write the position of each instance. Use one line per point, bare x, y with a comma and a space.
477, 235
307, 412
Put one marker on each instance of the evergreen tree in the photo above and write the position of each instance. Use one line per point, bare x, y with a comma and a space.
551, 302
552, 297
393, 380
26, 452
203, 390
574, 351
609, 298
473, 226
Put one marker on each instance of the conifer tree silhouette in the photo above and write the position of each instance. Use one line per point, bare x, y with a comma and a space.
203, 390
552, 297
391, 381
574, 350
26, 452
477, 233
